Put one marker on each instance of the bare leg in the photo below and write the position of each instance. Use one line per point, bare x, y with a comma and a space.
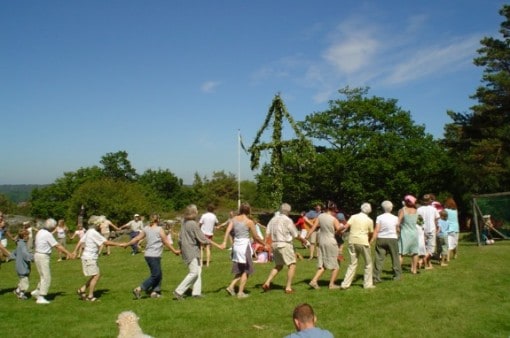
92, 285
234, 281
414, 264
312, 250
242, 283
334, 275
290, 276
272, 274
207, 255
318, 275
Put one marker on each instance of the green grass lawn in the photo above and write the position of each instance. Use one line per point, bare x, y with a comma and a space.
469, 298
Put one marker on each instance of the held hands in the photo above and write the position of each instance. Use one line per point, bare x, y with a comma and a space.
219, 246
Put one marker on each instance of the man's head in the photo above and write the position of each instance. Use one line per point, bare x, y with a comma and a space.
366, 208
304, 317
285, 209
50, 224
426, 199
211, 207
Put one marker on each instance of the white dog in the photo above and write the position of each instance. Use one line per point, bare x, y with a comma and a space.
128, 326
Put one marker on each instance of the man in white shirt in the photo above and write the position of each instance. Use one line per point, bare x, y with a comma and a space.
207, 223
44, 243
135, 226
430, 217
91, 242
281, 230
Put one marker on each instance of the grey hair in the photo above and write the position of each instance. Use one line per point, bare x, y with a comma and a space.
285, 208
191, 212
387, 206
366, 208
50, 224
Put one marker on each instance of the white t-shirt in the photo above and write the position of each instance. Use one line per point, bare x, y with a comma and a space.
387, 225
136, 225
91, 242
430, 215
207, 223
44, 241
282, 229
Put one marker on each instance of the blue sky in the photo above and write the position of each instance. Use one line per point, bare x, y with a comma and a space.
172, 82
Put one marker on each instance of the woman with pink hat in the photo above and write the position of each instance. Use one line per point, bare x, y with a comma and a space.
408, 241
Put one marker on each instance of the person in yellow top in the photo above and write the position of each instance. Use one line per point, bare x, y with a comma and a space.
362, 228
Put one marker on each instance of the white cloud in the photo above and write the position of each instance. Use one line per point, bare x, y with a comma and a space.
210, 86
364, 51
352, 55
432, 60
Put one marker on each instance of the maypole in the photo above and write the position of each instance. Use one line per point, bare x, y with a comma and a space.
238, 169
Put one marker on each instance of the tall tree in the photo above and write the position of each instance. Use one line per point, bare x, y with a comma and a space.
479, 141
371, 150
117, 166
164, 183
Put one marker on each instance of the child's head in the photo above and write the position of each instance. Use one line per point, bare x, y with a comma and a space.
23, 234
487, 219
443, 214
26, 224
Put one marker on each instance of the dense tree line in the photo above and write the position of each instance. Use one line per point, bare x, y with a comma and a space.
117, 190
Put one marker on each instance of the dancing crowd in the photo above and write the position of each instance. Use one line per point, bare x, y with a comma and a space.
424, 231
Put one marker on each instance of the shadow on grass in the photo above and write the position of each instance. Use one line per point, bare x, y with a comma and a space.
52, 296
8, 290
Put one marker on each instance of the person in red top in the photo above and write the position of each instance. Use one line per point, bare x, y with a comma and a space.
300, 223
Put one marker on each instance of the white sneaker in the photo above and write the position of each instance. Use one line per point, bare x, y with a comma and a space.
35, 293
42, 300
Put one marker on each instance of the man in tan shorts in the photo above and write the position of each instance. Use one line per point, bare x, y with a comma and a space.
281, 230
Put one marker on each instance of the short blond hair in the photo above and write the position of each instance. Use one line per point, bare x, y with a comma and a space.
191, 212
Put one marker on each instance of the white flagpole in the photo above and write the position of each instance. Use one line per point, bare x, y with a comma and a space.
238, 169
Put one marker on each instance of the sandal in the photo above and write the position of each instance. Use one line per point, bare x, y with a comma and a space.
91, 299
137, 292
81, 294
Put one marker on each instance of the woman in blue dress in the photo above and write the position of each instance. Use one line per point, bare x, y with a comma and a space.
408, 241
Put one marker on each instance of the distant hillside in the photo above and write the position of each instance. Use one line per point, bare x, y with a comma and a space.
18, 192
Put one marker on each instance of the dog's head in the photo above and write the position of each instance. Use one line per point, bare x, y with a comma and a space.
127, 317
128, 326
